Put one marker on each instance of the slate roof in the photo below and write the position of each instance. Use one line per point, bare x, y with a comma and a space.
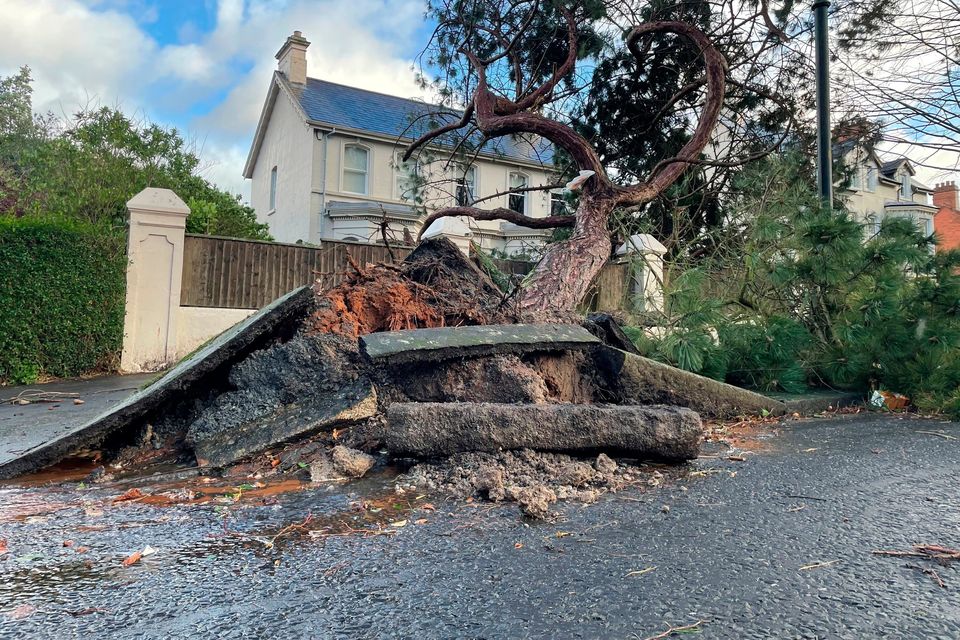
342, 106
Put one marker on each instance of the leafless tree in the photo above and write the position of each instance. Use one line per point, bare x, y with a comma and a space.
904, 73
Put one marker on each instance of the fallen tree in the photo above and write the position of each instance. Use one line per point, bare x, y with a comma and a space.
488, 35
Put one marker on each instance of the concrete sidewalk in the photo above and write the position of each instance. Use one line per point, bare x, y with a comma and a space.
26, 426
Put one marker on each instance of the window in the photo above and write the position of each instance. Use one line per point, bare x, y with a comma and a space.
558, 204
855, 182
355, 164
273, 189
871, 178
518, 201
466, 186
406, 174
873, 225
927, 226
906, 187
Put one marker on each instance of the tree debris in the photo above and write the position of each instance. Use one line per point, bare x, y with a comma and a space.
687, 628
929, 551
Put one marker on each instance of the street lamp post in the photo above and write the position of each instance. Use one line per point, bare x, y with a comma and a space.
822, 61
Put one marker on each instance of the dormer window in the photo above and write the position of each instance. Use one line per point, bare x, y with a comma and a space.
356, 165
906, 187
872, 176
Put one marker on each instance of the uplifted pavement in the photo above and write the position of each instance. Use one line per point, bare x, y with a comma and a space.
775, 546
24, 427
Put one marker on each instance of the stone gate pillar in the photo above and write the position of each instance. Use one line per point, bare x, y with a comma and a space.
158, 219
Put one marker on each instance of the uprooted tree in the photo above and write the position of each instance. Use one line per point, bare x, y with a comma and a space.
490, 35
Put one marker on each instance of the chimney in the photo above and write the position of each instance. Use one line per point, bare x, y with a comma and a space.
292, 58
945, 195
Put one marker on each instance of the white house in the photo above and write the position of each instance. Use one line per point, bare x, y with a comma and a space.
325, 165
876, 189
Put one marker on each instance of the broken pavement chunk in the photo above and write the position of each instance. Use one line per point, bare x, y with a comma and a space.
433, 345
284, 392
351, 462
638, 380
431, 429
284, 425
231, 345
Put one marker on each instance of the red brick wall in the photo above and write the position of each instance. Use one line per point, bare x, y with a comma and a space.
947, 221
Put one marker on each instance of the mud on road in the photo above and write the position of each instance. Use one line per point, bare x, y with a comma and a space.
744, 544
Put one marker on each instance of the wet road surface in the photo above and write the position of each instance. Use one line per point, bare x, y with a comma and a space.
777, 546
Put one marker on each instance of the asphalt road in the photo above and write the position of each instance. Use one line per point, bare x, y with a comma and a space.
778, 546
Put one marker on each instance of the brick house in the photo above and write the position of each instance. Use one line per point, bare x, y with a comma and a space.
947, 219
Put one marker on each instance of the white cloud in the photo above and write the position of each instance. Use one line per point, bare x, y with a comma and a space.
74, 52
188, 62
83, 49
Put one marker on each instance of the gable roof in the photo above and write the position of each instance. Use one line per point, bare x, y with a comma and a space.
889, 168
331, 105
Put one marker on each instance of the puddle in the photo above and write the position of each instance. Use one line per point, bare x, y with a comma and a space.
67, 470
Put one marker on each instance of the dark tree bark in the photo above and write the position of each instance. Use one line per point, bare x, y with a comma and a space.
562, 278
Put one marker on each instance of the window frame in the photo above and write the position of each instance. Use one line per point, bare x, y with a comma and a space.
523, 195
556, 195
872, 181
906, 187
873, 224
856, 179
470, 187
398, 167
344, 169
272, 202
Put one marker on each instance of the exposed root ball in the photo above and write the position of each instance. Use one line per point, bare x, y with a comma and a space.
435, 286
379, 299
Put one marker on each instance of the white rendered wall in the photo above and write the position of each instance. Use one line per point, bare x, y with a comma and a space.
287, 145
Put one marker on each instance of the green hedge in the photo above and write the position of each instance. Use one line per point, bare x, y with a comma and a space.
61, 298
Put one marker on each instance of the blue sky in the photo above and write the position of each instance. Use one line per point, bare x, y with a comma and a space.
203, 65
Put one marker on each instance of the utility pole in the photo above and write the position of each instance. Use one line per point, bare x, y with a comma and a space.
822, 62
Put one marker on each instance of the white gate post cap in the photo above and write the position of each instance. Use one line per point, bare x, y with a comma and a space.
641, 243
157, 200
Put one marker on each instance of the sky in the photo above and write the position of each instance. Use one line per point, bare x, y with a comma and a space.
203, 66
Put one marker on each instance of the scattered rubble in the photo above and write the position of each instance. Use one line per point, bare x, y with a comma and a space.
428, 359
533, 479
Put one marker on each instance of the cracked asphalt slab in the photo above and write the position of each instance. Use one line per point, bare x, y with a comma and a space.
25, 426
777, 546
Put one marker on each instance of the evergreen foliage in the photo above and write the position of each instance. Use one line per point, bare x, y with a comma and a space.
799, 296
61, 298
88, 168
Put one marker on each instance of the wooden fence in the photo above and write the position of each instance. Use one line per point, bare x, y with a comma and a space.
248, 274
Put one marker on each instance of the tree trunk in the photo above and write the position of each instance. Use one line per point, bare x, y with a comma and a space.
562, 278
